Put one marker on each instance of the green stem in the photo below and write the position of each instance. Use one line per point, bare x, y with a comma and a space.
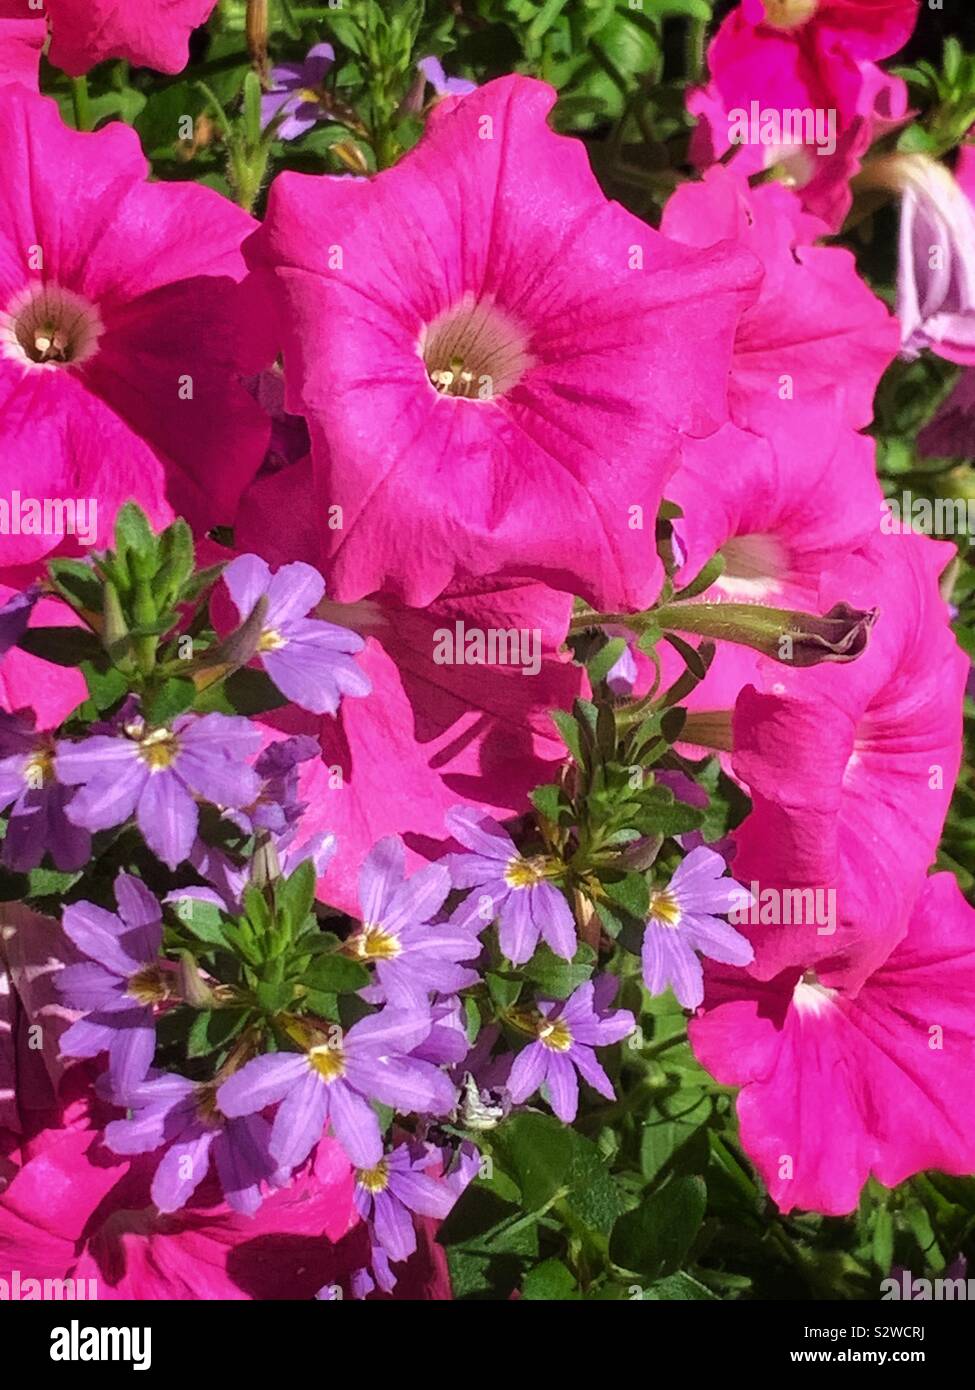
80, 103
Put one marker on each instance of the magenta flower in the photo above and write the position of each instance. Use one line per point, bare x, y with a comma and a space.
509, 887
566, 1034
852, 1083
120, 336
119, 985
169, 1110
333, 1082
36, 800
555, 343
309, 661
22, 39
86, 32
297, 91
395, 1189
413, 956
154, 774
685, 918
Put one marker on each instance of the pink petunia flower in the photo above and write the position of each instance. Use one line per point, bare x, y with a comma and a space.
554, 343
22, 36
836, 1088
119, 337
148, 33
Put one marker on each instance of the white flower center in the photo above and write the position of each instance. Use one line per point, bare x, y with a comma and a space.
46, 326
789, 14
474, 351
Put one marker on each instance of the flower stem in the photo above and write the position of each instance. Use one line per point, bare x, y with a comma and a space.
80, 103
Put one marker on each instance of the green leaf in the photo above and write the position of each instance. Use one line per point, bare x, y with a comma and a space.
503, 990
550, 1281
173, 697
336, 975
605, 659
557, 978
205, 920
212, 1029
654, 1238
294, 897
569, 731
632, 893
680, 1287
537, 1151
244, 692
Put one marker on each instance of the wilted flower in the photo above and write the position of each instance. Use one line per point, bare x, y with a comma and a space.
936, 273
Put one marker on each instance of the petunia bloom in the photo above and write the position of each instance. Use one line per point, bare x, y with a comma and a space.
685, 918
310, 661
566, 1034
333, 1082
29, 788
518, 891
121, 338
167, 1110
297, 93
86, 32
555, 343
414, 957
836, 1087
118, 987
154, 773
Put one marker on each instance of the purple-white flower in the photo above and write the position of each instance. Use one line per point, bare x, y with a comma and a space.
685, 919
444, 86
37, 824
515, 890
298, 92
154, 773
118, 987
309, 660
14, 617
565, 1036
391, 1192
333, 1081
182, 1115
413, 956
936, 269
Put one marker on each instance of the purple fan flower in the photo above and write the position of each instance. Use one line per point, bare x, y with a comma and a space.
37, 823
334, 1080
683, 920
310, 661
622, 675
14, 617
413, 956
170, 1110
388, 1194
298, 91
154, 773
376, 1275
566, 1035
444, 86
277, 807
511, 888
119, 984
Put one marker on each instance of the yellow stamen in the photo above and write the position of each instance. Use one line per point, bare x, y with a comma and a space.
524, 873
665, 909
328, 1061
554, 1034
148, 986
39, 769
271, 641
374, 1179
373, 943
159, 749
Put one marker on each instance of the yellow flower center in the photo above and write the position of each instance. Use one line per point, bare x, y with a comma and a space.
374, 1179
148, 986
789, 14
374, 943
524, 873
554, 1034
665, 909
158, 749
328, 1061
39, 769
271, 641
